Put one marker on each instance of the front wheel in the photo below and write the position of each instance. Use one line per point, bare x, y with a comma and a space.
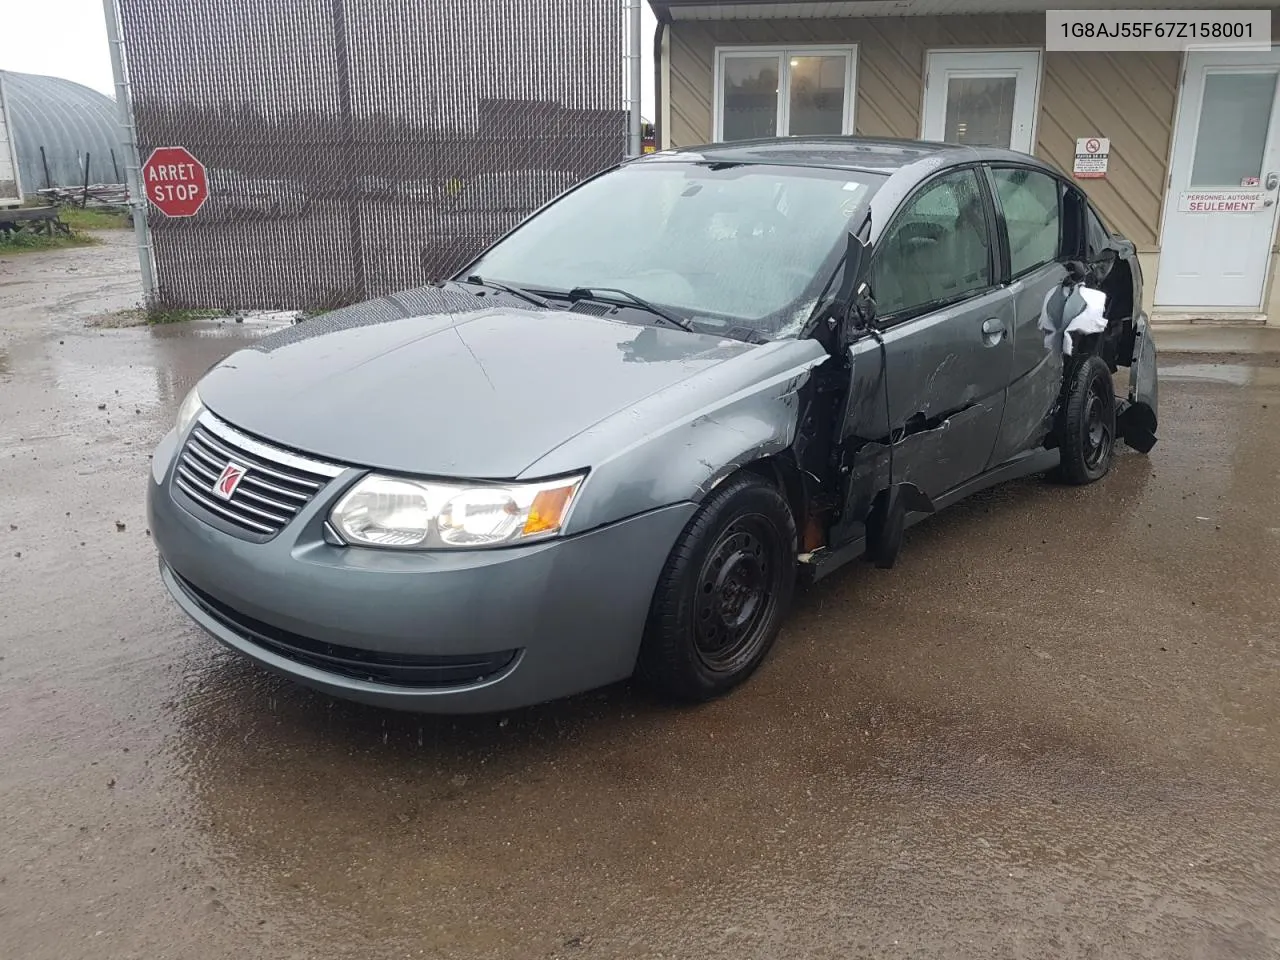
1087, 425
723, 593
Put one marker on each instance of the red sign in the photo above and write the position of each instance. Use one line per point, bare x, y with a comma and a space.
1221, 201
1092, 145
175, 181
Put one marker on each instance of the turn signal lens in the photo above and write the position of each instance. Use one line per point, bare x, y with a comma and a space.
548, 509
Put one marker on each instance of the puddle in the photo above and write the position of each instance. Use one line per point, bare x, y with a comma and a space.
122, 385
244, 326
1236, 374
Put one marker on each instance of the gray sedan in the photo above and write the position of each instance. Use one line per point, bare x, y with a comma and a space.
613, 443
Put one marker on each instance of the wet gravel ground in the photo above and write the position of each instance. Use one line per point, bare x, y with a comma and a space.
1049, 732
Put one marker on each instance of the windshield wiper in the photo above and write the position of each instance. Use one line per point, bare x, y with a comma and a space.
589, 293
524, 295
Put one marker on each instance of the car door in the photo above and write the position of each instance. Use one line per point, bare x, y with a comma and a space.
945, 320
1029, 206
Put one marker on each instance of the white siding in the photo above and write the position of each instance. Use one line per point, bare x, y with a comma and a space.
10, 190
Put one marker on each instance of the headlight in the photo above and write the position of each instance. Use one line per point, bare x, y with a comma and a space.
394, 512
189, 410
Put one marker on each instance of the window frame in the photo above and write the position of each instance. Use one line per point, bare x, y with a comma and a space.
1107, 232
1003, 225
783, 52
995, 266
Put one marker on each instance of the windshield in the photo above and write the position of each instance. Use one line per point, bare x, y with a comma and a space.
750, 244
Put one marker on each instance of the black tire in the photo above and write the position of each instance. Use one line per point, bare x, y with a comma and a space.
722, 594
1087, 423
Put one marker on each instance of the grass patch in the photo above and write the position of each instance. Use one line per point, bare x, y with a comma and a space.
159, 315
155, 316
22, 241
95, 218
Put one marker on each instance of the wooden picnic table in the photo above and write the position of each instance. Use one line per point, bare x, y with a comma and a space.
42, 220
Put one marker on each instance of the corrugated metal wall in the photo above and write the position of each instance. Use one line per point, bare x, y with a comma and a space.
359, 147
1129, 97
70, 123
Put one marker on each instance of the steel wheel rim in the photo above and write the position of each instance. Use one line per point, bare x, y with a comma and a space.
1097, 427
736, 594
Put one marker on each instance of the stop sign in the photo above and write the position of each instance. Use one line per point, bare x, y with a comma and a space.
175, 181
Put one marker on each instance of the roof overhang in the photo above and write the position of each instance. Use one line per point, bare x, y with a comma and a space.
668, 10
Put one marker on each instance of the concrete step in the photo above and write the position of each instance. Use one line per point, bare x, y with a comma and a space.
1169, 318
1215, 338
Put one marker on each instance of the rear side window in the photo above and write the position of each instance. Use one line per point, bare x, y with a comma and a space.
937, 249
1031, 214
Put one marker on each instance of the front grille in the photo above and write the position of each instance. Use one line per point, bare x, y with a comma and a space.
274, 487
395, 669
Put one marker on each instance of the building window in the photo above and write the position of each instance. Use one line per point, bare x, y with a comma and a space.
982, 98
784, 91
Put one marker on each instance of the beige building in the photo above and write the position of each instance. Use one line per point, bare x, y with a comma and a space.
1178, 123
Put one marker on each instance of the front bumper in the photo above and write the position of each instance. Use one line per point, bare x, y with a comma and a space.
464, 632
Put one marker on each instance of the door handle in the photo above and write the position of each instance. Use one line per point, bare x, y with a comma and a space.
992, 331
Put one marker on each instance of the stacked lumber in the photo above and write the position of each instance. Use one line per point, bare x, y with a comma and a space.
95, 195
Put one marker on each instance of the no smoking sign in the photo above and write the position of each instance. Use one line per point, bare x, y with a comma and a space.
1091, 158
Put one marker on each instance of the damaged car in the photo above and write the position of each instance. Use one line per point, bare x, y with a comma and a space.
615, 441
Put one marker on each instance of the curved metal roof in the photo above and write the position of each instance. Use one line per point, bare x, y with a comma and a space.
69, 120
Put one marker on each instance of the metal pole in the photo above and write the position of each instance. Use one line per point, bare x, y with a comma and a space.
635, 65
84, 197
355, 226
132, 162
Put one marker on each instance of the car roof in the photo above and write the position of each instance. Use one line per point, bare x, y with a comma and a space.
882, 155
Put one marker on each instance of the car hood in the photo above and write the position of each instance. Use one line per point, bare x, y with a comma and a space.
480, 393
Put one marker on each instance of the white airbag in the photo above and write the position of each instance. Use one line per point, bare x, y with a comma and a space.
1068, 310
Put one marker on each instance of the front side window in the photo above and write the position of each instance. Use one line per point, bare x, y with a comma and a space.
784, 91
752, 244
1031, 216
936, 250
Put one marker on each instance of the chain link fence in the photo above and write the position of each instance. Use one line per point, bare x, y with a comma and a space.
358, 147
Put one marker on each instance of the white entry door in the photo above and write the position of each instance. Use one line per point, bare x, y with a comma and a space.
1220, 214
983, 98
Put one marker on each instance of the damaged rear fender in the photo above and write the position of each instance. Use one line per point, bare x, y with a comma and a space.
1138, 415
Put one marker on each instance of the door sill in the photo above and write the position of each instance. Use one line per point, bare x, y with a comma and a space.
1181, 316
825, 561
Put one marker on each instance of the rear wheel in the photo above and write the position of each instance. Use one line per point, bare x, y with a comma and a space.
1087, 424
722, 594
